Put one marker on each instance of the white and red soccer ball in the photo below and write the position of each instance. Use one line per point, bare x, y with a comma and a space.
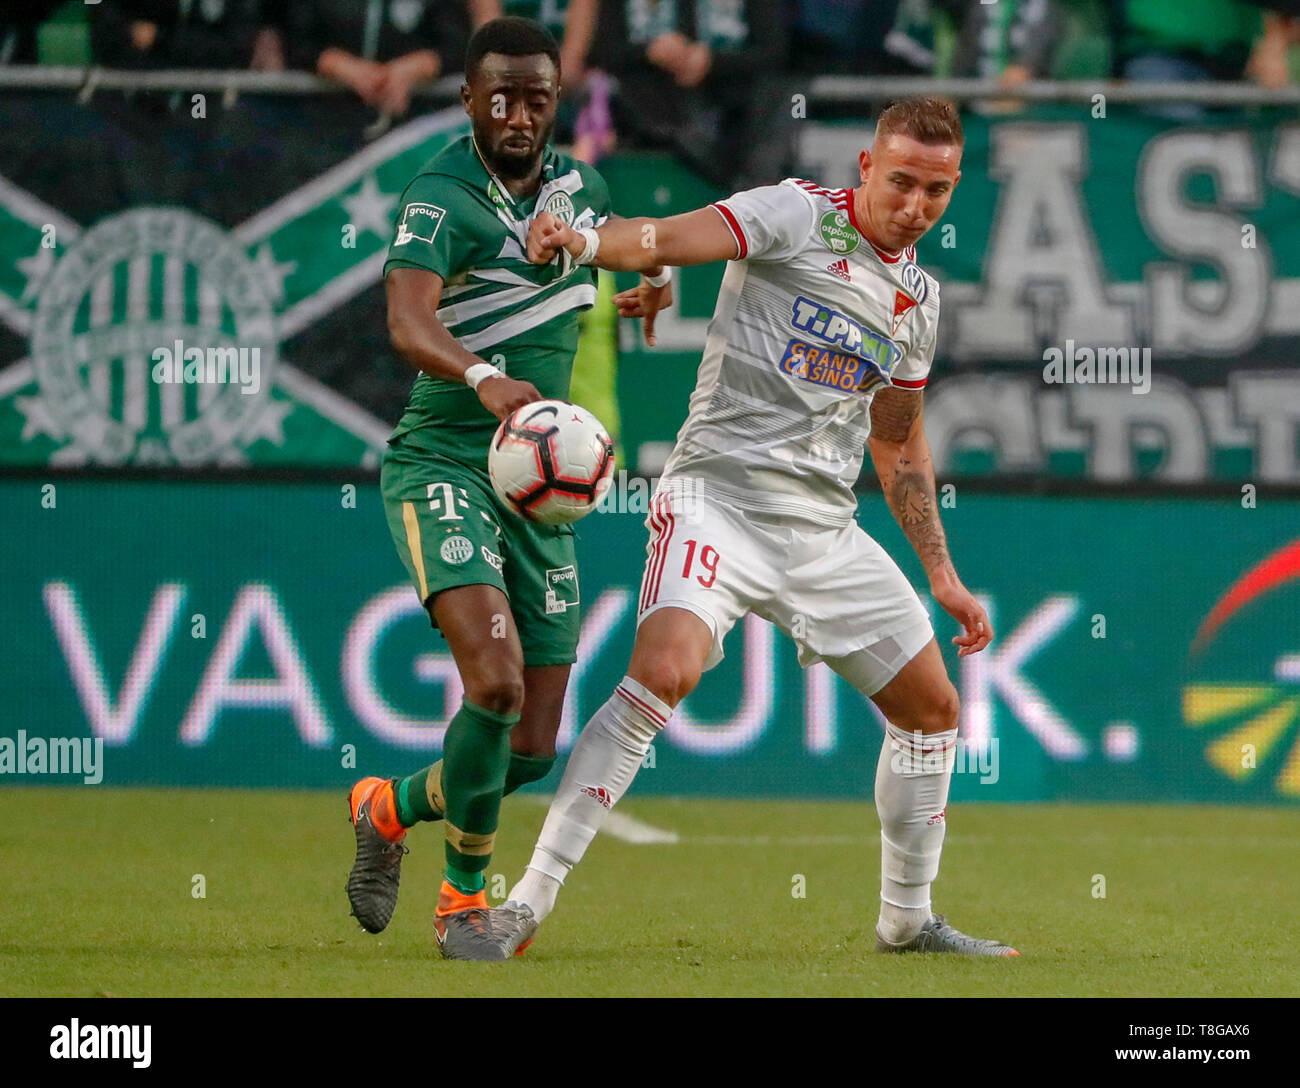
551, 462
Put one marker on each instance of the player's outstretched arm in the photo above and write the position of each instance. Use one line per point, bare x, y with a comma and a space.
638, 245
424, 342
901, 454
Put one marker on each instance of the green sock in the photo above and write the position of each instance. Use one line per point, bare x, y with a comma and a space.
525, 769
413, 792
476, 754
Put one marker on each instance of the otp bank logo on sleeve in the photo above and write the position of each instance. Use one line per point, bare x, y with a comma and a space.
865, 361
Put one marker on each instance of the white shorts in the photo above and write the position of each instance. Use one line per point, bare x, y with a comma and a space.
835, 592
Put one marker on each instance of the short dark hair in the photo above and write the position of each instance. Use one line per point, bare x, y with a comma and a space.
926, 120
512, 36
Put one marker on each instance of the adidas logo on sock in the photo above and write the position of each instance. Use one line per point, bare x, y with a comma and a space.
841, 269
598, 793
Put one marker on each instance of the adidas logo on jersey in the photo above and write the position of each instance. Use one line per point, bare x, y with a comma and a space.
841, 269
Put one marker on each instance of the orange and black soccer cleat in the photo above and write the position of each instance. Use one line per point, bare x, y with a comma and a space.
377, 871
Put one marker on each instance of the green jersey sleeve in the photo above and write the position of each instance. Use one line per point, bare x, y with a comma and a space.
435, 228
594, 185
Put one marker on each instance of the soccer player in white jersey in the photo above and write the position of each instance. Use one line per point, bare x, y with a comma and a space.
819, 348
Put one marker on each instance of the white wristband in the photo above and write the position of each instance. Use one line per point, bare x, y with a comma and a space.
588, 253
663, 279
478, 372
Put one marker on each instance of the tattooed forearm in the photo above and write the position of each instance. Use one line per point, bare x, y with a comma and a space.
911, 497
902, 459
893, 411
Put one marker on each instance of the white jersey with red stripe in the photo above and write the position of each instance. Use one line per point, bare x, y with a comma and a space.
810, 321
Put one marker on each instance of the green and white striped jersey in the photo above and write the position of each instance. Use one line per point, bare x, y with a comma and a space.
461, 222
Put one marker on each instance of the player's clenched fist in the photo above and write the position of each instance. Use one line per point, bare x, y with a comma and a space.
547, 234
502, 395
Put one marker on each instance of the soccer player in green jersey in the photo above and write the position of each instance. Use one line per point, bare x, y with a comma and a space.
489, 332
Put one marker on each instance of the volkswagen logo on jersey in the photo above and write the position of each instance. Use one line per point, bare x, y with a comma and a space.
914, 281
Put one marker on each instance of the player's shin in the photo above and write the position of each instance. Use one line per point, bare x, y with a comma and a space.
476, 753
912, 780
419, 797
601, 766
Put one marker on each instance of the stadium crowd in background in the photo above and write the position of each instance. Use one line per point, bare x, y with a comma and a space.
710, 80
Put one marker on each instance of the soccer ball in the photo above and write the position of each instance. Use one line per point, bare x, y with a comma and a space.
551, 462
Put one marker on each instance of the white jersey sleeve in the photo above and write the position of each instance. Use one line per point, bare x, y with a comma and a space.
770, 223
913, 369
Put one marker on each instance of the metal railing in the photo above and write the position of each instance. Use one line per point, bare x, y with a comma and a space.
823, 89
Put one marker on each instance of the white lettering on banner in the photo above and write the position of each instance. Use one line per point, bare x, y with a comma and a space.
1111, 418
1025, 423
115, 720
997, 668
1271, 404
361, 660
1199, 233
600, 620
257, 606
751, 718
360, 683
820, 709
1042, 259
997, 672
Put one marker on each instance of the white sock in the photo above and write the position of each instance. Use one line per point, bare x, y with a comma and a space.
538, 890
912, 780
601, 766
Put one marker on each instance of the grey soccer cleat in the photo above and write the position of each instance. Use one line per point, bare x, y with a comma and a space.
467, 935
515, 926
377, 870
938, 936
485, 933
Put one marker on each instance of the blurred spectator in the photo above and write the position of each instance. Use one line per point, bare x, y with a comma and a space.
1270, 62
571, 22
593, 127
158, 146
847, 37
18, 31
704, 78
1192, 40
269, 53
152, 34
1012, 41
382, 49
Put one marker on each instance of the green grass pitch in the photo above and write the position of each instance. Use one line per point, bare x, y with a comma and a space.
100, 901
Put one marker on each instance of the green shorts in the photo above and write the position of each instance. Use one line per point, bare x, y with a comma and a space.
450, 530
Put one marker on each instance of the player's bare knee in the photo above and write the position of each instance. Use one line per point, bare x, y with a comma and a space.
666, 676
936, 712
943, 710
500, 690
